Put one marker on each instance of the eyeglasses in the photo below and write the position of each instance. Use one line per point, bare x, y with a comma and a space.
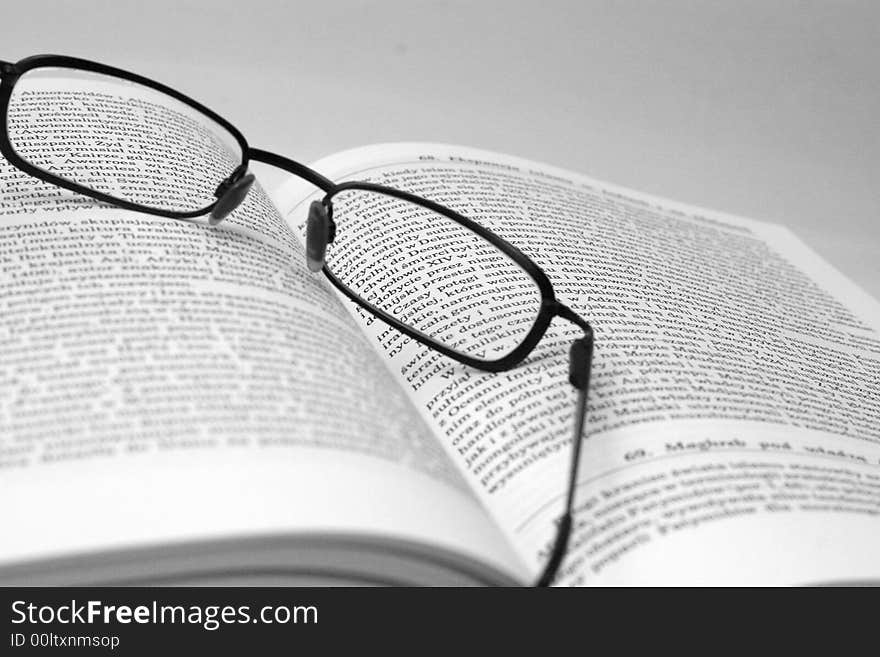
136, 144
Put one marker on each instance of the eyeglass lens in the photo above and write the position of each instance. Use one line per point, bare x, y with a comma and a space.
432, 274
120, 138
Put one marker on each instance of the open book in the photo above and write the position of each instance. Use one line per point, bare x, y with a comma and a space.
182, 403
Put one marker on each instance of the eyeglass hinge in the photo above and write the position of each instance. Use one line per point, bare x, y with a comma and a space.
8, 68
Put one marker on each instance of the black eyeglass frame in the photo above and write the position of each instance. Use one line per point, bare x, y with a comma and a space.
581, 352
549, 306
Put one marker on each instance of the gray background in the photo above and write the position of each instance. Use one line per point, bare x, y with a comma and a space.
767, 109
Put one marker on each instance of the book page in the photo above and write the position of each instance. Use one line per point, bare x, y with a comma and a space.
733, 433
165, 381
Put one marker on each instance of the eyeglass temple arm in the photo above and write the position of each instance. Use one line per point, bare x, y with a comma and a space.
580, 360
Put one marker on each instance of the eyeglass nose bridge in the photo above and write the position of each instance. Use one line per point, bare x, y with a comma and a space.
230, 193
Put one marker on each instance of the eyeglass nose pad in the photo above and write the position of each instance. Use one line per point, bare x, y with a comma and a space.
320, 231
230, 194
